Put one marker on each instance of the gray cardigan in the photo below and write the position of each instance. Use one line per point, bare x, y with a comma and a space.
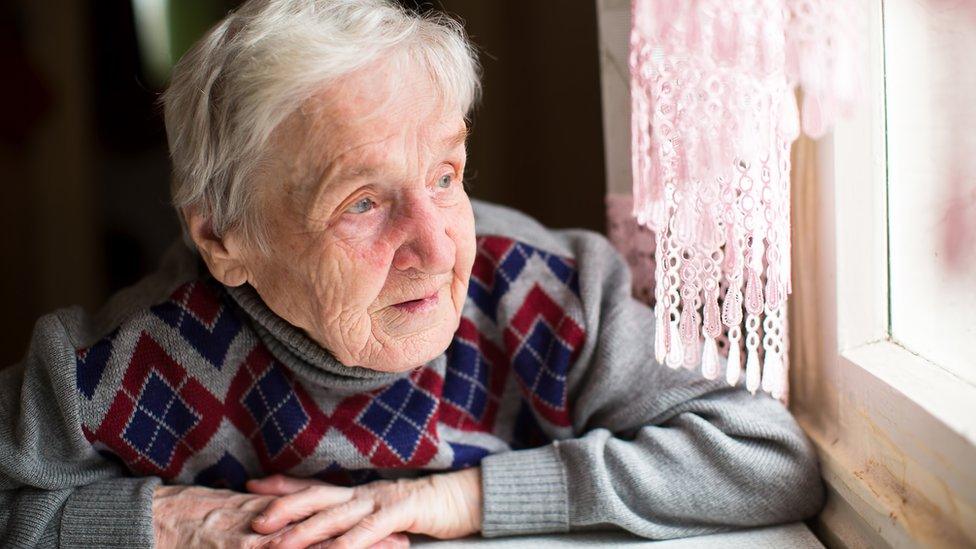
659, 452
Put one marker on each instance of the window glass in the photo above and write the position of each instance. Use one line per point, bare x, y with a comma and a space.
930, 80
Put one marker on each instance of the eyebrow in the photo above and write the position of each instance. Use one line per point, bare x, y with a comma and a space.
363, 171
458, 138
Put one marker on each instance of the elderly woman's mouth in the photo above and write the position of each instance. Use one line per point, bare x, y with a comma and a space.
421, 305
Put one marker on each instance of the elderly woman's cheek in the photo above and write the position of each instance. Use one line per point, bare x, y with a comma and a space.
462, 231
364, 266
367, 240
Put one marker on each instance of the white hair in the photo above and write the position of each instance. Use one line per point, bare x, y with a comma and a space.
260, 63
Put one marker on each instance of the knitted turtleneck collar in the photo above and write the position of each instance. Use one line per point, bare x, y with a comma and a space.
300, 353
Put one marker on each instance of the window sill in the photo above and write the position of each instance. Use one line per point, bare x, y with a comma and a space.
897, 457
940, 396
795, 535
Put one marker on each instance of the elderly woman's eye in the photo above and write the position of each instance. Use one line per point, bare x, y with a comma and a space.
361, 206
445, 181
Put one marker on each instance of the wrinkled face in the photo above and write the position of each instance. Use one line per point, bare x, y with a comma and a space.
371, 229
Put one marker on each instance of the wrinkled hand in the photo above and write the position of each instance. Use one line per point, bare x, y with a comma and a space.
445, 505
195, 516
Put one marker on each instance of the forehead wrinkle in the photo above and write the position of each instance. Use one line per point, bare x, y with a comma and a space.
329, 123
369, 167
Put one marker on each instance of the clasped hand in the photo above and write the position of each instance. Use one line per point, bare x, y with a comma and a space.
285, 512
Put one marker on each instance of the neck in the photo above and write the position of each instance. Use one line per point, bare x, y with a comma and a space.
296, 350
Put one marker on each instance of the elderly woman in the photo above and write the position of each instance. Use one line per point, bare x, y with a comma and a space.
348, 348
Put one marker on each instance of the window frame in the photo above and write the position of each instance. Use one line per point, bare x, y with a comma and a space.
896, 433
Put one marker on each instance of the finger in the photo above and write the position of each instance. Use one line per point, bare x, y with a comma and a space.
393, 541
373, 528
256, 504
323, 525
280, 485
306, 502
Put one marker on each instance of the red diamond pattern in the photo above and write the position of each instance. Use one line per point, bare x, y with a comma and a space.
147, 359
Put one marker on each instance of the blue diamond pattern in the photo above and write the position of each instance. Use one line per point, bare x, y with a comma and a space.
376, 418
398, 415
275, 408
466, 378
159, 421
141, 430
89, 370
487, 299
211, 343
544, 352
513, 262
402, 437
563, 271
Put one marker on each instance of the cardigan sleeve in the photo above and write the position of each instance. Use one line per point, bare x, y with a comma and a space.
55, 490
659, 452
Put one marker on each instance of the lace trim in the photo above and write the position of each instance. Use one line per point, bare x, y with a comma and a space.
714, 114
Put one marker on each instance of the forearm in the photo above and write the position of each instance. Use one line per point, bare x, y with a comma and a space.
55, 489
723, 462
733, 461
109, 513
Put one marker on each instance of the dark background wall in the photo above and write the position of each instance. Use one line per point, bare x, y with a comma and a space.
84, 164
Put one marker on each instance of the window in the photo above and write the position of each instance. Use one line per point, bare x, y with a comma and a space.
882, 323
883, 380
931, 141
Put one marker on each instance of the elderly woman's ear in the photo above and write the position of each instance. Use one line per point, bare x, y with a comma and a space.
224, 255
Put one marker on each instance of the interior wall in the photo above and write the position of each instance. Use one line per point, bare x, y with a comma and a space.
50, 245
537, 141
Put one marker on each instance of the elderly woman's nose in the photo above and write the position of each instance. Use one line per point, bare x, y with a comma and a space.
426, 245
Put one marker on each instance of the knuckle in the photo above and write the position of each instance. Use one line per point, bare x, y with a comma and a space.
214, 518
371, 523
255, 504
279, 506
343, 509
303, 529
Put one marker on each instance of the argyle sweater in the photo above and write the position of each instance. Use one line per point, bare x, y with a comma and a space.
549, 385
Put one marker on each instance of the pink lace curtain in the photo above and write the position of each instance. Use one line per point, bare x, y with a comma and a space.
714, 113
